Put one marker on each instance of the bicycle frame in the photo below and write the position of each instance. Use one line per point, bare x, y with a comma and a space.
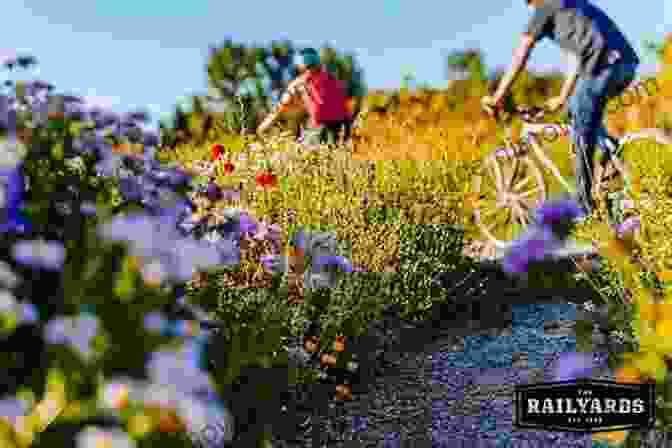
530, 133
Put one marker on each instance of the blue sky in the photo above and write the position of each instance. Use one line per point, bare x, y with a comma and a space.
123, 53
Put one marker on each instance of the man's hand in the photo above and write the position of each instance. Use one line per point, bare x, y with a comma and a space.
490, 104
263, 126
554, 104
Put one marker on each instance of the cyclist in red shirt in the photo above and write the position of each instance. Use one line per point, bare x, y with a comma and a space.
323, 96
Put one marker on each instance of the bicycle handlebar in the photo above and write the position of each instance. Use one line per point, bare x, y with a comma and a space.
529, 114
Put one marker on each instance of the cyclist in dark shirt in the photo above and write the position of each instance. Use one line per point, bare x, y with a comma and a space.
605, 65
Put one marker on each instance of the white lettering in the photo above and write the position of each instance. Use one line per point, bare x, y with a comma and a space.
583, 403
595, 407
532, 405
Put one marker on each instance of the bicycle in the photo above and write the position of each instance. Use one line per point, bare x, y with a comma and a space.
498, 187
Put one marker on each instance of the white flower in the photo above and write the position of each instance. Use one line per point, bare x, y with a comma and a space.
11, 409
7, 276
117, 394
40, 253
94, 437
7, 301
10, 154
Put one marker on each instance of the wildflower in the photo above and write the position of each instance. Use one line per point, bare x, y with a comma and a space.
628, 374
216, 151
339, 343
150, 139
214, 192
359, 424
173, 177
131, 188
180, 370
7, 301
535, 246
331, 260
28, 313
343, 392
630, 225
12, 189
228, 167
615, 248
116, 395
664, 276
11, 409
574, 365
230, 194
88, 208
616, 437
558, 215
266, 180
94, 437
40, 254
155, 321
207, 420
7, 277
76, 332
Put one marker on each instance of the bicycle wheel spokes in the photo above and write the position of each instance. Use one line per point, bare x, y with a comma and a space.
508, 187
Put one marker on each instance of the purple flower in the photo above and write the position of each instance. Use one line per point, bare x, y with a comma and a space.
110, 164
560, 212
155, 322
574, 365
12, 189
105, 119
142, 231
630, 225
213, 191
138, 116
179, 369
29, 313
168, 176
534, 246
88, 208
12, 409
41, 254
150, 139
247, 224
331, 260
131, 188
359, 424
230, 194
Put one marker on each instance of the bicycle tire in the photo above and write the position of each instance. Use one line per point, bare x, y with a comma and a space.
504, 201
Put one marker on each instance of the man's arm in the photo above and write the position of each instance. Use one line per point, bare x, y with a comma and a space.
520, 57
572, 78
285, 100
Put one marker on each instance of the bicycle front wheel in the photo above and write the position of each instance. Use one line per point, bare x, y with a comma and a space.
507, 188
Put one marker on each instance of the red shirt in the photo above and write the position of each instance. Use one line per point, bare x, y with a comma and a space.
323, 96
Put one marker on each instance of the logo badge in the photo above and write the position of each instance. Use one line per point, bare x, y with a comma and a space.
585, 405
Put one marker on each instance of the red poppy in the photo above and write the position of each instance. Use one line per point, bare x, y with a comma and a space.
216, 151
266, 179
228, 167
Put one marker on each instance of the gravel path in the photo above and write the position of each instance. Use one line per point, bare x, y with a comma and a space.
451, 384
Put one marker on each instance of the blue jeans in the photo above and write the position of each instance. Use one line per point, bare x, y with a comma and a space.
586, 109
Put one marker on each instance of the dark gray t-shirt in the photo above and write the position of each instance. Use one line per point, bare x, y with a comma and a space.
584, 30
